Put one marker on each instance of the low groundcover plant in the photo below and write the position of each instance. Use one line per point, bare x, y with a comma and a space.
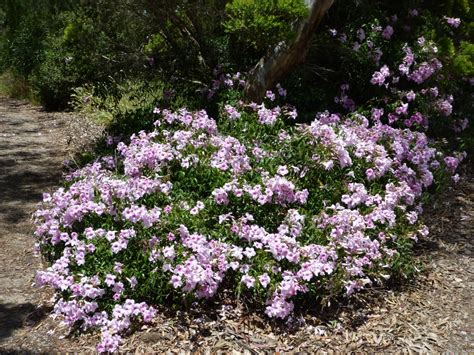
249, 202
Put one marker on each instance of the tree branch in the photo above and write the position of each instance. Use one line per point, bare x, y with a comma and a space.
286, 56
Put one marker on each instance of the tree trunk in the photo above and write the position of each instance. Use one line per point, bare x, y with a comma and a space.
286, 56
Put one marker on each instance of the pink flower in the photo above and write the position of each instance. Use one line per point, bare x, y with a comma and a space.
264, 280
370, 173
282, 170
270, 95
451, 163
110, 280
133, 282
176, 281
392, 118
118, 268
410, 95
220, 196
169, 253
387, 32
248, 280
328, 165
444, 107
249, 252
377, 113
232, 112
453, 22
402, 110
378, 78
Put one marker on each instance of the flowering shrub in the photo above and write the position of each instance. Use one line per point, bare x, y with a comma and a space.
408, 64
248, 202
408, 79
255, 203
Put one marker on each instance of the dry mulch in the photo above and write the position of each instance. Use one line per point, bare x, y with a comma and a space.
433, 313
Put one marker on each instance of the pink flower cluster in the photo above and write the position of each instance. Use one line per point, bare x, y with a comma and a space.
379, 77
148, 214
425, 70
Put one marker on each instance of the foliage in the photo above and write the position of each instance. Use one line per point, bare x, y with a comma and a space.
464, 60
351, 47
81, 54
15, 86
26, 25
275, 212
257, 26
107, 41
226, 195
129, 96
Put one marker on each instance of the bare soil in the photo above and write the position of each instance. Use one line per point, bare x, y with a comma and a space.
434, 313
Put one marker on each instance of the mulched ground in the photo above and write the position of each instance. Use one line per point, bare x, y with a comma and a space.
433, 313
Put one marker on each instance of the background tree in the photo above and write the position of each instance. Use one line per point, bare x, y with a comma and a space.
285, 56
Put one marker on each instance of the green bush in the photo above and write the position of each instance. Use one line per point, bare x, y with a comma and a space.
257, 26
464, 60
14, 85
276, 214
123, 99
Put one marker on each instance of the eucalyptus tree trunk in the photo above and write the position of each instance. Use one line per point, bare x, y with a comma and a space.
285, 56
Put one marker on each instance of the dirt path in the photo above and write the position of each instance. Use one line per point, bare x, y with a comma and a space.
435, 313
32, 150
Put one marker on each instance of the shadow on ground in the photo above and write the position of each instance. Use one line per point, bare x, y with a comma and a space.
16, 316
